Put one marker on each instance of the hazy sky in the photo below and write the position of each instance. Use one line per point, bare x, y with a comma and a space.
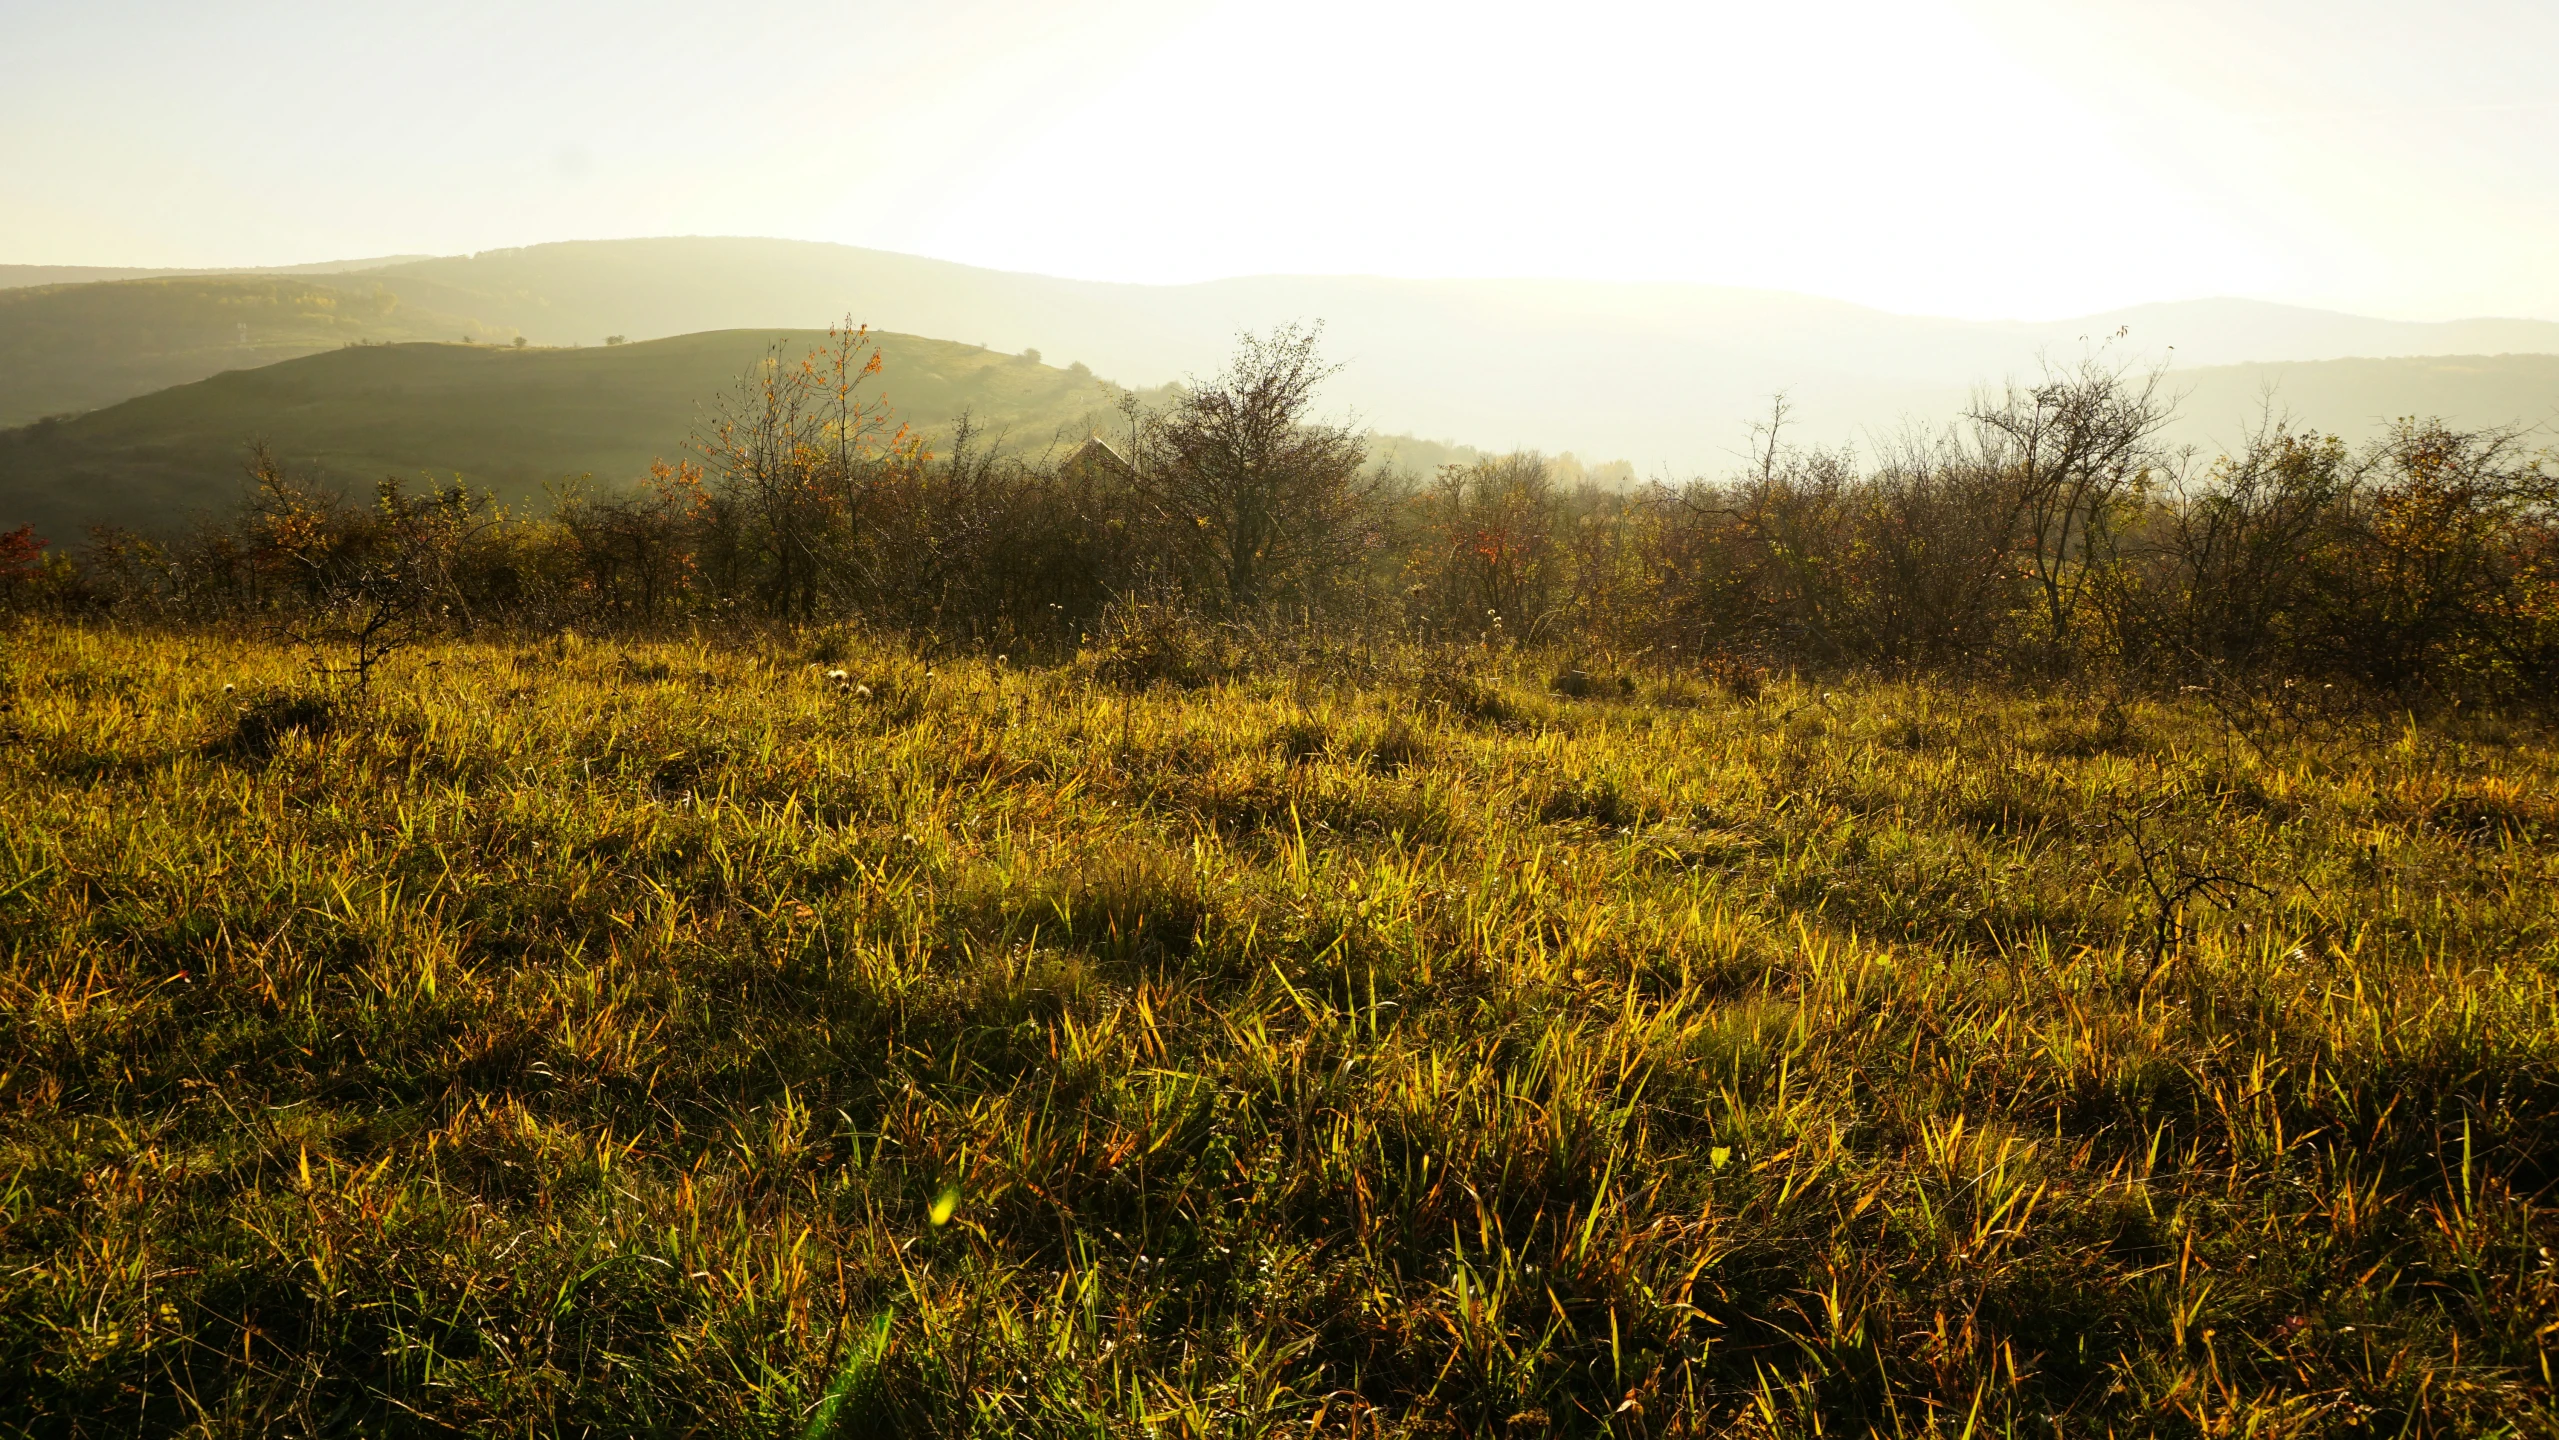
1968, 157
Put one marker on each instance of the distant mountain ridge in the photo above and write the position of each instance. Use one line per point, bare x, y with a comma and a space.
557, 292
2218, 406
1669, 376
15, 277
2239, 332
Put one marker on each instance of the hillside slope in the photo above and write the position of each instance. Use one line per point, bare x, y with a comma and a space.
1668, 374
517, 420
14, 277
2219, 405
69, 348
508, 420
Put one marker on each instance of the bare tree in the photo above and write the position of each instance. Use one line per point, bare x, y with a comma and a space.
2075, 447
2243, 549
1263, 502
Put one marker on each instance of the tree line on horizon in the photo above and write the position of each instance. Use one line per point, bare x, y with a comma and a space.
2048, 531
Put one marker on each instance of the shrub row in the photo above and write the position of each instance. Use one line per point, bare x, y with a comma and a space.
2045, 532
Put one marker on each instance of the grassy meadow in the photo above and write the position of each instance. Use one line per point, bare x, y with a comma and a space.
585, 1037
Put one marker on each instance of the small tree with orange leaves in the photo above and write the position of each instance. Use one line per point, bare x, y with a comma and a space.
20, 550
789, 456
637, 556
1493, 560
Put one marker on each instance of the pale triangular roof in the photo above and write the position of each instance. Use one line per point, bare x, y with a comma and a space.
1097, 451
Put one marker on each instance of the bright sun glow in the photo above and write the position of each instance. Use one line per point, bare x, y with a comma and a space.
1969, 157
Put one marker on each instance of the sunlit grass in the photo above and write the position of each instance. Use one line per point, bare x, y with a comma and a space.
594, 1037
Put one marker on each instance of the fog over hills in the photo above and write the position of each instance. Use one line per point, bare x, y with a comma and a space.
1668, 376
1665, 374
18, 277
2219, 405
517, 422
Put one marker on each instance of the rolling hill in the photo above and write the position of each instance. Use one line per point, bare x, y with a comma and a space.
13, 277
2219, 405
517, 420
70, 348
1668, 375
504, 419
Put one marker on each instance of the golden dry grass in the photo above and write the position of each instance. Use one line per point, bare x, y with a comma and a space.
585, 1037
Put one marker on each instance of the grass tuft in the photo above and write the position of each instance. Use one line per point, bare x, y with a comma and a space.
615, 1037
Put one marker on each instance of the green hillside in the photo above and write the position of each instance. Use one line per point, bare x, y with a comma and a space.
510, 420
69, 348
